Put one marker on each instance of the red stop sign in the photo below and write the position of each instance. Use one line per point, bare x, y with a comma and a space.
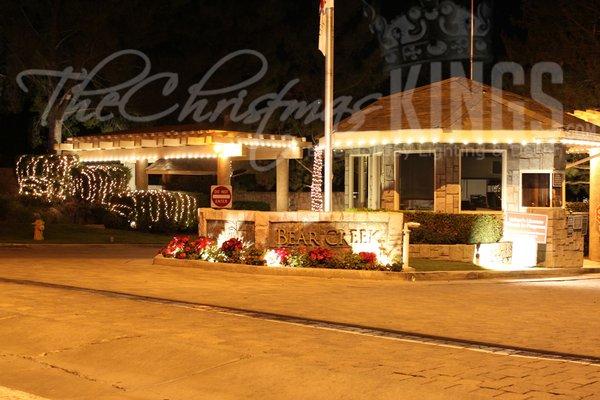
220, 196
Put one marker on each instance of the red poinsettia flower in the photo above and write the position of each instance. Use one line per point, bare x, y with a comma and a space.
231, 246
368, 258
283, 254
202, 243
320, 255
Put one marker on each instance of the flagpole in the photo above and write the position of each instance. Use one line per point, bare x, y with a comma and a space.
472, 39
328, 156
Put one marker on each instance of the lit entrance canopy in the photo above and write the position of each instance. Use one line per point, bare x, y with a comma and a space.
180, 150
183, 142
462, 111
183, 167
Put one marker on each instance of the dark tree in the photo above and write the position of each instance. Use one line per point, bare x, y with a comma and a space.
566, 32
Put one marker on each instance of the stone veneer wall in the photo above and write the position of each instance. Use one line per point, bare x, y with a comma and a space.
485, 255
213, 222
564, 248
443, 252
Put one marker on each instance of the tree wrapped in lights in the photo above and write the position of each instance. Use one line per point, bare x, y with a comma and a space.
46, 177
316, 187
154, 210
96, 184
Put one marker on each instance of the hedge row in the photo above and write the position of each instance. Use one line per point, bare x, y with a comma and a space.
439, 228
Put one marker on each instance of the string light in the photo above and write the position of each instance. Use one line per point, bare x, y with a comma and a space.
98, 183
316, 187
155, 207
46, 177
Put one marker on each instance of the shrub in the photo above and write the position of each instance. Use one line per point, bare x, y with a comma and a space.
46, 177
96, 184
206, 249
232, 246
6, 206
486, 229
298, 259
251, 205
578, 207
156, 211
321, 256
440, 228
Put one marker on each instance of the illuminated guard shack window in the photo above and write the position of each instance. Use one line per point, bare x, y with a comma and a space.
414, 180
481, 181
542, 189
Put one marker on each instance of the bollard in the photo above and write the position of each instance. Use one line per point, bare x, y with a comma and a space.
406, 244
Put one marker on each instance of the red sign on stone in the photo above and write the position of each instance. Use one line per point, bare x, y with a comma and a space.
221, 196
522, 224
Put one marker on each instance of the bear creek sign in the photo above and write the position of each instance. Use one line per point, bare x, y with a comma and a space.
336, 230
326, 234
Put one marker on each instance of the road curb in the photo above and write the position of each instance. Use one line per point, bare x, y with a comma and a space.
375, 275
156, 246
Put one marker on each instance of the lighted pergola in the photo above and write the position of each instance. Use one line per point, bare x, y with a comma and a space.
186, 149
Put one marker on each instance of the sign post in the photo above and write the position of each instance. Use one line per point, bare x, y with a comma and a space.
221, 196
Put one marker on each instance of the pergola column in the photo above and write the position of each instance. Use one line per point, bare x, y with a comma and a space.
223, 171
141, 177
594, 205
283, 184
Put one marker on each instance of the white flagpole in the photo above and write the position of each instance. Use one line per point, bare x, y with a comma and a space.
328, 156
472, 39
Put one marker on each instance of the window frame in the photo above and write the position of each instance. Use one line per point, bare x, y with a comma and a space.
375, 190
351, 177
504, 153
396, 189
550, 172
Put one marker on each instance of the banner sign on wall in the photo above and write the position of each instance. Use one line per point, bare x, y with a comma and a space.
524, 224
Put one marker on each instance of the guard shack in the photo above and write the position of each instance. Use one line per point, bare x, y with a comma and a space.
459, 146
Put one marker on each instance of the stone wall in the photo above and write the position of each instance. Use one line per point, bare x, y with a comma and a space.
362, 231
298, 200
493, 255
447, 179
546, 157
564, 248
443, 252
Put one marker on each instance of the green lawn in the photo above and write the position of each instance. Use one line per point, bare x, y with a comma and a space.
433, 265
72, 233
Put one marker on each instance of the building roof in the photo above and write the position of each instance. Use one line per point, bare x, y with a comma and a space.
459, 109
592, 116
181, 142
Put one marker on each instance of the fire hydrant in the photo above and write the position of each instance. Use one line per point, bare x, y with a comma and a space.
406, 245
38, 229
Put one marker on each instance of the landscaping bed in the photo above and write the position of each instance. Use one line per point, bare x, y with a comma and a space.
236, 251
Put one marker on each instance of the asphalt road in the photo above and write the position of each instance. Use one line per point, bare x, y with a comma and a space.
103, 323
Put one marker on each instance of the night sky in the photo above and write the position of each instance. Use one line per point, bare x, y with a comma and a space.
187, 37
